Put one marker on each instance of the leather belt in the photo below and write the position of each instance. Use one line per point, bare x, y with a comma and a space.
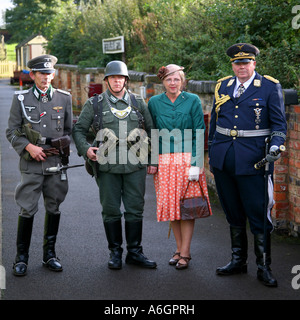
243, 133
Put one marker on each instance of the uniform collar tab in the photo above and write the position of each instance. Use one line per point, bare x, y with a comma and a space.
114, 99
43, 96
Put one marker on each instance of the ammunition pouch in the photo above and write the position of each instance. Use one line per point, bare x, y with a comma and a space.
139, 144
107, 142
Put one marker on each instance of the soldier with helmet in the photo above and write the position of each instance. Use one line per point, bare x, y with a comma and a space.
248, 110
123, 116
39, 128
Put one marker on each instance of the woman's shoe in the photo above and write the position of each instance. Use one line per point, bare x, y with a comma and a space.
173, 261
181, 266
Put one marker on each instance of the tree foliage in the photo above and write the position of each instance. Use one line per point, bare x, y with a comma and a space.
191, 33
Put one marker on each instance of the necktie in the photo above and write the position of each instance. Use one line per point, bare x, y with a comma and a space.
240, 91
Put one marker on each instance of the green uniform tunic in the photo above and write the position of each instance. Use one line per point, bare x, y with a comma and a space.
121, 179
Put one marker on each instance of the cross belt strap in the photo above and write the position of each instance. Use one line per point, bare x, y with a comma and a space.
243, 133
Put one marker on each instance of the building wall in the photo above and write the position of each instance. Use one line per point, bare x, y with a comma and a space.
286, 212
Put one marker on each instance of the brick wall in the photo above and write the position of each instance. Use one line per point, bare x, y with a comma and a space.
286, 212
287, 177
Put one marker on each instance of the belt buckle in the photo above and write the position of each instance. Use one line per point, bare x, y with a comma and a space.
233, 133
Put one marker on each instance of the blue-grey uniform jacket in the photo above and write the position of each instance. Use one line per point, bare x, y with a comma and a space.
260, 107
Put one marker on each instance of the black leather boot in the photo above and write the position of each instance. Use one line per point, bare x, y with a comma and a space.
264, 273
50, 233
239, 247
135, 255
23, 243
113, 230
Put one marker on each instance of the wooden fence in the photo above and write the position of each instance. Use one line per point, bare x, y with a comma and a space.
7, 68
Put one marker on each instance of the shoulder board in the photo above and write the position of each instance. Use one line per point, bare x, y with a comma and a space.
271, 79
21, 91
63, 91
222, 79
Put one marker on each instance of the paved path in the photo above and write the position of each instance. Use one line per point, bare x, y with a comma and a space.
82, 249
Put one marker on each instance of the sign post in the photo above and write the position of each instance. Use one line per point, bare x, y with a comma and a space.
114, 45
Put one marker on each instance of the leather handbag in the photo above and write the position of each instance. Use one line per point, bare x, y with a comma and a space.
194, 208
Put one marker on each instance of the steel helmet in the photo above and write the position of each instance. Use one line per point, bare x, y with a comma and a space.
115, 68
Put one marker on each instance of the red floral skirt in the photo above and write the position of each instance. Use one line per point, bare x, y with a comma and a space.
170, 183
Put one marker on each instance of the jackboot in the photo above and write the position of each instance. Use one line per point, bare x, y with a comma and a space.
113, 230
264, 273
50, 233
239, 248
135, 255
23, 243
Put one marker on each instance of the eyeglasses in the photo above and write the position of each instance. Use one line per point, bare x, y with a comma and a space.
172, 80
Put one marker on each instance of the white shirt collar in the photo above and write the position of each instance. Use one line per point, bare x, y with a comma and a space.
246, 84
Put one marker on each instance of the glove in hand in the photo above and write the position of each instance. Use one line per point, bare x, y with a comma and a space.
271, 157
194, 173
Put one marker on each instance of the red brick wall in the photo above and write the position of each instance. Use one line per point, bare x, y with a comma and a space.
287, 176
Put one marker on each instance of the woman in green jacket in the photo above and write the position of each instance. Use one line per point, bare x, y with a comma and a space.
179, 117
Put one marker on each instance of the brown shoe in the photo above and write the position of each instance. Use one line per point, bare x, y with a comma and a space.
180, 266
173, 261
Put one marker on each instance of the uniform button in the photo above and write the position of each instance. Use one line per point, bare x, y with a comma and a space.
236, 116
236, 107
44, 125
234, 138
234, 127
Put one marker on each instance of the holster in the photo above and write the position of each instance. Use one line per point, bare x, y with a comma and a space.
63, 145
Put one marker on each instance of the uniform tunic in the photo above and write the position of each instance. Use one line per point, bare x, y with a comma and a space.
260, 107
240, 186
121, 179
110, 121
52, 119
174, 162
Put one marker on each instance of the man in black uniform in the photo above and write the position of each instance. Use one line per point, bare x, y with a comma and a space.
247, 109
39, 126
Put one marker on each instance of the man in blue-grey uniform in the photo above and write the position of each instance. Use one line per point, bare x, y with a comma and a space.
39, 128
247, 109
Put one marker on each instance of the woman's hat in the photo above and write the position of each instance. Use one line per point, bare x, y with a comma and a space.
165, 71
